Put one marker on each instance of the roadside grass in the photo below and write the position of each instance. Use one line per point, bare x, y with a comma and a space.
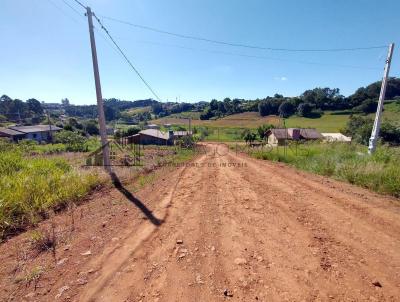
31, 187
349, 162
33, 148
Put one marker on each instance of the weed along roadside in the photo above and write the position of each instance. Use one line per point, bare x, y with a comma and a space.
35, 186
347, 162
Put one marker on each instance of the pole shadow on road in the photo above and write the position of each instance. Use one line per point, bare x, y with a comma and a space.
118, 185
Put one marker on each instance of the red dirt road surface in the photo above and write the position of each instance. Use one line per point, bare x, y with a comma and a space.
232, 228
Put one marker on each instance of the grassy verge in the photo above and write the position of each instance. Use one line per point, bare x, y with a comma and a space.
32, 186
350, 163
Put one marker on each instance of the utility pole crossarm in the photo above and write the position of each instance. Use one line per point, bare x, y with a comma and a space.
377, 123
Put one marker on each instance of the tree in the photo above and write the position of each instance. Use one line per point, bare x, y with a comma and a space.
261, 130
372, 91
264, 108
367, 106
390, 133
249, 136
157, 108
206, 115
359, 128
110, 113
286, 109
131, 131
214, 105
34, 106
65, 102
91, 127
304, 109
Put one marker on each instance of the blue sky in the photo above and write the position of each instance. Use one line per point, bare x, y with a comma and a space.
45, 50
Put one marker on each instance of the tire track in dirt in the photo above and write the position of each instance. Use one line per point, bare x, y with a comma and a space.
112, 260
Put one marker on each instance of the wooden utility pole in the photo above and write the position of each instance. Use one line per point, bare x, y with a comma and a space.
100, 109
49, 122
377, 123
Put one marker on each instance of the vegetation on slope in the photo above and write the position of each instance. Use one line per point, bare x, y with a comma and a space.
349, 162
32, 186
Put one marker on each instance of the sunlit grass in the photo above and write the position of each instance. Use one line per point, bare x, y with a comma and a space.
32, 186
350, 162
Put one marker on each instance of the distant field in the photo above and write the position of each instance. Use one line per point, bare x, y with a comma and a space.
241, 120
329, 122
139, 110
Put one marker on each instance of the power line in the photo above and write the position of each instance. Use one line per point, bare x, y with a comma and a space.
126, 58
62, 11
184, 36
73, 8
80, 3
261, 57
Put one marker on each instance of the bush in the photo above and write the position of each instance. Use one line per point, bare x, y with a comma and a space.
74, 141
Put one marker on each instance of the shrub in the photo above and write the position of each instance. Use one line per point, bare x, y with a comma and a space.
73, 141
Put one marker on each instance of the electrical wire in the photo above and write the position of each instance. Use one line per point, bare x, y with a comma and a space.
260, 57
80, 3
73, 8
184, 36
62, 11
126, 58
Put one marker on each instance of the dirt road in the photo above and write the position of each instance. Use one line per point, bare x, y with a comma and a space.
235, 228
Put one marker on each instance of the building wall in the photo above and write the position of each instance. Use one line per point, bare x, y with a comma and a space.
152, 140
40, 136
272, 140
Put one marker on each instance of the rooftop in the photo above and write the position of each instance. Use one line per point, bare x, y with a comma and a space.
155, 133
283, 133
10, 131
35, 128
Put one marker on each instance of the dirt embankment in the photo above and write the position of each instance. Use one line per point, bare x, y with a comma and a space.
227, 228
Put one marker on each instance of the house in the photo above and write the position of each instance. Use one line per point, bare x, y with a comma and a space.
152, 137
11, 134
277, 137
336, 137
156, 137
38, 133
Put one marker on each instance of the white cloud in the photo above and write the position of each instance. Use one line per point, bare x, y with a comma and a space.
280, 78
